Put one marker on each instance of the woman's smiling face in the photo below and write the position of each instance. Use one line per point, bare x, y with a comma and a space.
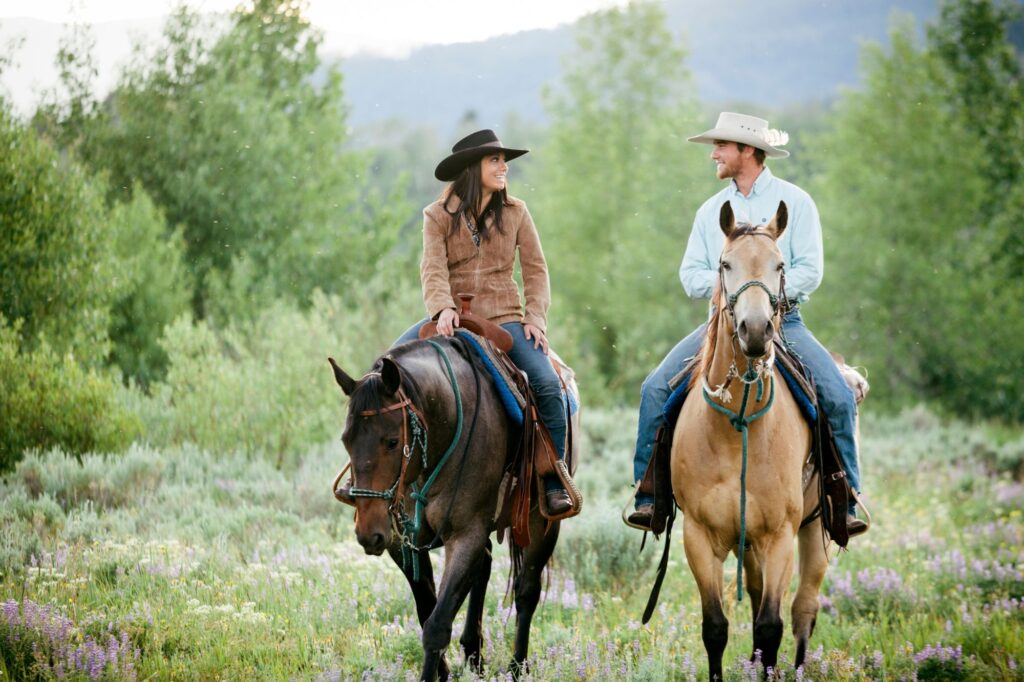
493, 170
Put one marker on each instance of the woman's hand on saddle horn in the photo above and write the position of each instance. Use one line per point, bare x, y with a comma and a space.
447, 321
532, 332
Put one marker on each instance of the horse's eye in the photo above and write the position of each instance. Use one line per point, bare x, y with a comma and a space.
781, 267
392, 443
726, 266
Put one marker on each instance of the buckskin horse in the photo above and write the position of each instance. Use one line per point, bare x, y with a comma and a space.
738, 456
428, 439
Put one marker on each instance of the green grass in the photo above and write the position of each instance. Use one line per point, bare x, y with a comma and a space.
224, 567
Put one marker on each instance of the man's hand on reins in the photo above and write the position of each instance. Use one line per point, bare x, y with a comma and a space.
539, 340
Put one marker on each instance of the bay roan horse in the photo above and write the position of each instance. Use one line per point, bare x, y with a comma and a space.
708, 454
429, 417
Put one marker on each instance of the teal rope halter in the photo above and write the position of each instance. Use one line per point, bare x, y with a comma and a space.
731, 298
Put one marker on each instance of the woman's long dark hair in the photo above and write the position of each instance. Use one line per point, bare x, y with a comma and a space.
468, 188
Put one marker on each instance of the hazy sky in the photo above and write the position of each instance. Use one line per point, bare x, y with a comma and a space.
383, 27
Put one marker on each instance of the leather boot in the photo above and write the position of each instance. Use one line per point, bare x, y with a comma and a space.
642, 516
855, 526
558, 501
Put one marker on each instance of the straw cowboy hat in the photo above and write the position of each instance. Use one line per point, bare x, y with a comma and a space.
747, 130
472, 148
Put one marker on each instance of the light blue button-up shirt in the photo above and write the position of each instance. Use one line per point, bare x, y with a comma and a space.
800, 243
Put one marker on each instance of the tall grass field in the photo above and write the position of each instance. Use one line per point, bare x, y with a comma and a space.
181, 564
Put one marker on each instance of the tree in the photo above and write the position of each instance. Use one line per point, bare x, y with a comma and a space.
616, 188
55, 270
239, 139
155, 286
56, 285
986, 88
916, 290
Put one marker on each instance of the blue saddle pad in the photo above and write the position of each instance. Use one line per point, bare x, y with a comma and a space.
508, 396
675, 401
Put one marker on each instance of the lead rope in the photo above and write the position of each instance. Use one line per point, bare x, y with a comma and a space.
740, 423
412, 526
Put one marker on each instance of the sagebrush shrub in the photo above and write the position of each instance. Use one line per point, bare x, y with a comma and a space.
49, 401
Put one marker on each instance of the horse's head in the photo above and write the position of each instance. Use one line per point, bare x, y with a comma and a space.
377, 437
751, 278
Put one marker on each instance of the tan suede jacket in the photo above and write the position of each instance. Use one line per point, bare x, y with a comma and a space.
453, 264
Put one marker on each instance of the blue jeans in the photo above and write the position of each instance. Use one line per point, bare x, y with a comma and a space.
834, 396
545, 383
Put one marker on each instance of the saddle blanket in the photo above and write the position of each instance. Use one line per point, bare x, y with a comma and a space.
511, 397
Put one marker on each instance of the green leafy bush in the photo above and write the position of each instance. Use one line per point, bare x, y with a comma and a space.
263, 387
49, 400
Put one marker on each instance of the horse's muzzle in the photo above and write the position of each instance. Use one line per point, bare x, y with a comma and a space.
373, 543
755, 337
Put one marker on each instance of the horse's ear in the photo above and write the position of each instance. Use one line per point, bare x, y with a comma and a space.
726, 219
778, 224
346, 382
390, 375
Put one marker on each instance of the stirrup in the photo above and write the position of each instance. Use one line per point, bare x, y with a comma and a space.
642, 517
574, 494
628, 510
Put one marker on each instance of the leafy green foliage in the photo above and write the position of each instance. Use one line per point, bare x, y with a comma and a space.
986, 88
154, 285
986, 80
615, 194
238, 137
235, 143
55, 269
263, 386
904, 196
49, 401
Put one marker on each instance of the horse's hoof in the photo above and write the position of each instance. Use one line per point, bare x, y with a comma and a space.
517, 669
475, 662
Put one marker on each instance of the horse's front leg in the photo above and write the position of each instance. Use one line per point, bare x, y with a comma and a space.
528, 585
813, 564
473, 633
777, 571
755, 585
463, 556
423, 591
706, 565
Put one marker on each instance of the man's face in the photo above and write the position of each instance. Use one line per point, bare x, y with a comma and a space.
728, 159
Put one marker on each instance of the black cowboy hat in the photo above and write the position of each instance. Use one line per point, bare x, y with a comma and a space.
471, 148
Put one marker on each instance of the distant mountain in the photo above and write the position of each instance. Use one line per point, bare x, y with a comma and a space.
768, 54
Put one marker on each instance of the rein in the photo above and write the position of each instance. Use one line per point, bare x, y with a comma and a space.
415, 422
741, 422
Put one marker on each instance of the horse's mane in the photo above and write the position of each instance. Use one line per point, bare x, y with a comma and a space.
369, 393
711, 336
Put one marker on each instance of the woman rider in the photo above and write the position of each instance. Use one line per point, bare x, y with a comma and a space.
470, 238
